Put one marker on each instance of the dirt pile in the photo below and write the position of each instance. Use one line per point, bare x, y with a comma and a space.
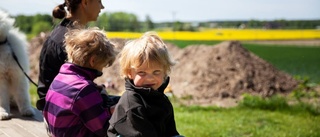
206, 74
203, 75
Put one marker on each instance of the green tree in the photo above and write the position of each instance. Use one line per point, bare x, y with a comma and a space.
103, 21
121, 21
149, 25
254, 24
177, 26
41, 26
24, 23
42, 18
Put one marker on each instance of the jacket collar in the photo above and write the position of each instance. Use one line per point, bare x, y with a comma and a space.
81, 71
130, 86
66, 22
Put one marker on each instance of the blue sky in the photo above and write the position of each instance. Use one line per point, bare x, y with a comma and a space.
187, 10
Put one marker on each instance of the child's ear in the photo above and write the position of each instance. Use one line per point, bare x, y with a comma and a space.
92, 61
129, 76
84, 3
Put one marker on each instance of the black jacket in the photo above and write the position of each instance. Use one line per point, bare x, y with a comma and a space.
143, 112
52, 56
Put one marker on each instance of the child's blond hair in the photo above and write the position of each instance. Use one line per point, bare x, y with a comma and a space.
82, 44
148, 49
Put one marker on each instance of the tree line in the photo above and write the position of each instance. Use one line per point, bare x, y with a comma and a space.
122, 21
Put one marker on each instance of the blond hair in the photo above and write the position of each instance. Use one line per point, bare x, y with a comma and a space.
148, 49
81, 44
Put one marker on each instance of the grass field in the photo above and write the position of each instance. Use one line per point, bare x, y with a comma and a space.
297, 61
246, 121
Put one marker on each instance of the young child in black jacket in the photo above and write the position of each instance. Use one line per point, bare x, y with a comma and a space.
143, 109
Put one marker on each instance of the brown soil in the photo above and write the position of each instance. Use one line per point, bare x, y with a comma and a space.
204, 75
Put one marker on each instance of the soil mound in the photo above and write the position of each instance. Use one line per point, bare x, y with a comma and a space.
203, 75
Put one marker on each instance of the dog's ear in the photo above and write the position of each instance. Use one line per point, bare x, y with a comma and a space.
6, 23
6, 19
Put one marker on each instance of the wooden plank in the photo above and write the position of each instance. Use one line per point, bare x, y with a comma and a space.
20, 126
2, 134
13, 130
36, 128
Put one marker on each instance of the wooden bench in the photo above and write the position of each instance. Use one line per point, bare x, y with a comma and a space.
20, 126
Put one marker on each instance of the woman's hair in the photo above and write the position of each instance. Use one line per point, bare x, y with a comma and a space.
82, 44
60, 12
149, 49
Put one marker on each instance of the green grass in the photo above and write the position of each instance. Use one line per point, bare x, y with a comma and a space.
301, 61
245, 122
33, 94
254, 117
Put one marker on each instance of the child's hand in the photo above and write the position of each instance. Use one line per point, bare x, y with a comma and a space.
112, 109
102, 89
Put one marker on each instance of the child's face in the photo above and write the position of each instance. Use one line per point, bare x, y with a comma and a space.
147, 76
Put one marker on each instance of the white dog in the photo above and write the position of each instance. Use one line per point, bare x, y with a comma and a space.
14, 85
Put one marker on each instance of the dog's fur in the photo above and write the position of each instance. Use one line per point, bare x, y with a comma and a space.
14, 85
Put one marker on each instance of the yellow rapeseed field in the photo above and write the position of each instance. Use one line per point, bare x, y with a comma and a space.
227, 34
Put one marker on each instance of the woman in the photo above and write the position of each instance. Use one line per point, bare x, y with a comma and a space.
53, 54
